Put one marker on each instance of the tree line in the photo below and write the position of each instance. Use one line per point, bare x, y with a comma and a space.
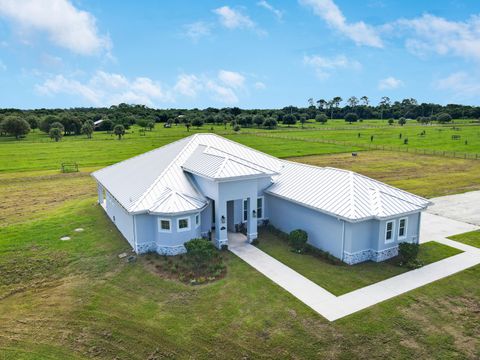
118, 118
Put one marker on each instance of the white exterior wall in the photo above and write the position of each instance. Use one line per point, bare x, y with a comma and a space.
122, 220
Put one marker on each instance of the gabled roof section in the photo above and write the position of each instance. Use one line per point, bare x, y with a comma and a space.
215, 164
344, 194
156, 182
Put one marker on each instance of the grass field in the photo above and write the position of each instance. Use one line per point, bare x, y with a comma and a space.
438, 138
341, 279
428, 176
76, 299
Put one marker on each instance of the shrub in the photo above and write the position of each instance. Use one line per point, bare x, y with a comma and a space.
407, 252
321, 118
119, 130
351, 117
16, 126
236, 128
55, 133
297, 239
200, 252
444, 117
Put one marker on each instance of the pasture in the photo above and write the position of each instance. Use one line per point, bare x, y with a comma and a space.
76, 299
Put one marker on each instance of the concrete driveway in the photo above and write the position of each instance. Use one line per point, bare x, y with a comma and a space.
462, 207
433, 227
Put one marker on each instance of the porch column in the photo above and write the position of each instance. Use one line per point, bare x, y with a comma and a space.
100, 193
252, 218
220, 223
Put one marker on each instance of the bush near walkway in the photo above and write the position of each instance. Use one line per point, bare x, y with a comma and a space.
297, 239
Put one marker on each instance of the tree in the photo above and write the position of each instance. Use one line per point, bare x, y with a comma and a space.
351, 117
321, 118
142, 122
402, 121
365, 100
57, 125
236, 128
106, 125
16, 126
289, 119
119, 130
151, 125
384, 104
258, 120
352, 102
33, 122
390, 121
47, 122
197, 122
303, 120
321, 104
87, 129
55, 133
187, 125
310, 102
270, 123
444, 118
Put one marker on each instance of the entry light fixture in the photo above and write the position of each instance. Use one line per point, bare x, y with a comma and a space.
254, 213
223, 219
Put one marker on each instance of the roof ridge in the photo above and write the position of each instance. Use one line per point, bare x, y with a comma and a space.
396, 197
242, 145
238, 159
159, 177
142, 154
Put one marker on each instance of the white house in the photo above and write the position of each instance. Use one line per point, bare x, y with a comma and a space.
205, 184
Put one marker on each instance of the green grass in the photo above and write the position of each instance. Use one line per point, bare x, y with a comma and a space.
471, 238
438, 138
342, 279
76, 299
38, 152
428, 176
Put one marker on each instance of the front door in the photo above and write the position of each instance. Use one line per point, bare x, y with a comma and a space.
230, 216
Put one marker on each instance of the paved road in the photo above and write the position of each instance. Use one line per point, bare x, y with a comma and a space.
433, 227
462, 207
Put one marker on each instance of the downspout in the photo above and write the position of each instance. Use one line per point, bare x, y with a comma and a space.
418, 227
135, 233
343, 239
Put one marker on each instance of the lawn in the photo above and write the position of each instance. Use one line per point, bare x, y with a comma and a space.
438, 138
76, 299
340, 279
428, 176
471, 238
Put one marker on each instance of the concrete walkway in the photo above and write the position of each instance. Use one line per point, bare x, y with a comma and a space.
434, 227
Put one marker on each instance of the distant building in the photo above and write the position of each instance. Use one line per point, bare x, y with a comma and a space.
205, 184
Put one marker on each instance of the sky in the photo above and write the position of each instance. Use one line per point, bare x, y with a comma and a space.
250, 54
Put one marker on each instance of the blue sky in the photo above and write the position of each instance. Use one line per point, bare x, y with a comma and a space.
251, 54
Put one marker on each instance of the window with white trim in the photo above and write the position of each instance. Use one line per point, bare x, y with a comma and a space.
183, 224
260, 207
402, 228
197, 220
164, 225
245, 210
389, 231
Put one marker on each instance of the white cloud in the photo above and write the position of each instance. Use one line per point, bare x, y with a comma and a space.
324, 66
359, 32
65, 25
266, 5
433, 34
260, 85
461, 84
188, 85
197, 30
231, 79
233, 19
390, 83
104, 89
